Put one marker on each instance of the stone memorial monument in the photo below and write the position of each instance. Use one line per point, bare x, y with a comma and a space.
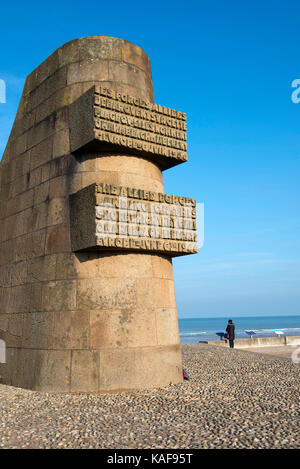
87, 233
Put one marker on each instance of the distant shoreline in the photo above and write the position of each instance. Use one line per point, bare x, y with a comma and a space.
195, 329
260, 342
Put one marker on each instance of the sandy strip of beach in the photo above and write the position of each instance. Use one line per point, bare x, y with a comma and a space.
284, 351
235, 399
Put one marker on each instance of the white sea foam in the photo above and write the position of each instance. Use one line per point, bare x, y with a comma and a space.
241, 332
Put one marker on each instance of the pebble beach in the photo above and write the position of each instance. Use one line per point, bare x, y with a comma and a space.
234, 399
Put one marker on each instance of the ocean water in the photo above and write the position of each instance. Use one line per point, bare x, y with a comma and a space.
194, 330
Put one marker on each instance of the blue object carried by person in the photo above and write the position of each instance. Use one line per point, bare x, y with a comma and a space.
222, 335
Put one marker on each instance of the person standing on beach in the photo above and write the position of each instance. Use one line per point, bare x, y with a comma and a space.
230, 333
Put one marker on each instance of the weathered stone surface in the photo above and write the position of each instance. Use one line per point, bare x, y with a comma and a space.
92, 320
85, 366
123, 328
163, 364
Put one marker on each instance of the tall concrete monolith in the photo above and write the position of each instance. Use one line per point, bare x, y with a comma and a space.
87, 234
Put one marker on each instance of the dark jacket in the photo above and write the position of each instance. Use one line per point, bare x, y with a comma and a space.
230, 331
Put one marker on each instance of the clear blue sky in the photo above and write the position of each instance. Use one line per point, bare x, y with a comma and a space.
229, 66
